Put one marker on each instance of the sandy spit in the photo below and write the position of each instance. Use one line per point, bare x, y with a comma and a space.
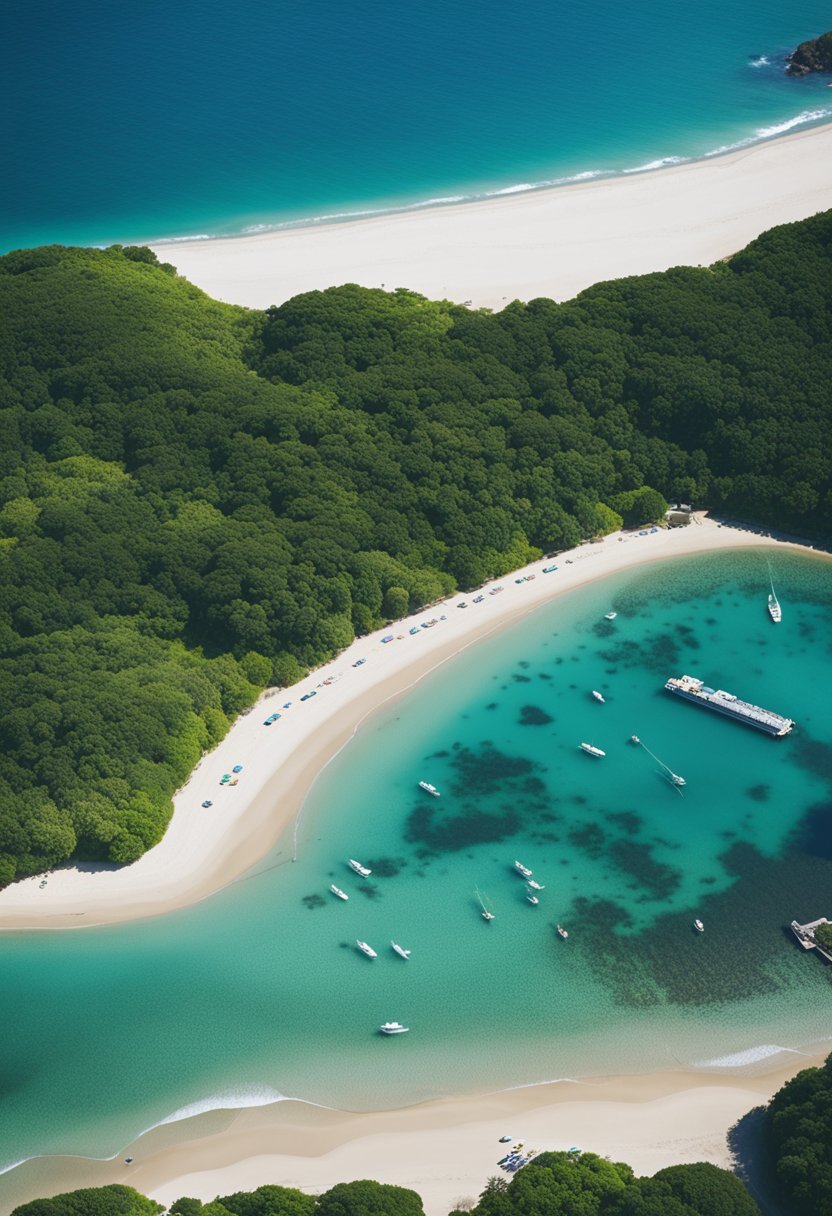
552, 242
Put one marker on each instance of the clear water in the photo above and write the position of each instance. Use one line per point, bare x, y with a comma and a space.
260, 991
147, 119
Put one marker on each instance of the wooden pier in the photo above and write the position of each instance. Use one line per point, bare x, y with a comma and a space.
805, 934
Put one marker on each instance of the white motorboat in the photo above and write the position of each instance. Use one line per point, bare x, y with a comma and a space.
359, 869
774, 609
532, 898
562, 932
487, 914
635, 739
698, 926
365, 949
400, 950
675, 779
429, 789
610, 616
393, 1028
592, 750
599, 696
536, 886
337, 891
524, 870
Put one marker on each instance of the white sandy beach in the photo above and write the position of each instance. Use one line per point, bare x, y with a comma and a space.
446, 1150
552, 242
204, 849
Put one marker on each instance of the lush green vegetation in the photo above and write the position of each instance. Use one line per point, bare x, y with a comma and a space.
94, 1201
799, 1129
823, 936
197, 500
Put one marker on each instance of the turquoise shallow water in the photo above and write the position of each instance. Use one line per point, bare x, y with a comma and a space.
260, 992
143, 120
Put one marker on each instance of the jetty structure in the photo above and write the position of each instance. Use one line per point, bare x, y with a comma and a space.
689, 688
805, 934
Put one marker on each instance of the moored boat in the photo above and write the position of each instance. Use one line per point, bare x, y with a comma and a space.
487, 914
429, 789
592, 750
359, 869
531, 897
536, 886
365, 949
635, 739
610, 616
337, 891
561, 932
599, 696
698, 926
393, 1028
524, 870
400, 950
774, 609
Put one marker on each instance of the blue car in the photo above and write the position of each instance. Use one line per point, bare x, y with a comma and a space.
270, 719
308, 695
238, 768
207, 803
549, 569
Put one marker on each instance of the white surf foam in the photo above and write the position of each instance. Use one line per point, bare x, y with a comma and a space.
752, 1055
760, 62
661, 163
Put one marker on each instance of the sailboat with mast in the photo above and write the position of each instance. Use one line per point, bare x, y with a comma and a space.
667, 771
774, 609
487, 914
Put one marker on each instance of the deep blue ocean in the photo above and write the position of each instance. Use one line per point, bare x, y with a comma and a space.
143, 120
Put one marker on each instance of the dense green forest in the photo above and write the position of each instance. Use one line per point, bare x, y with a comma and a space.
799, 1127
198, 500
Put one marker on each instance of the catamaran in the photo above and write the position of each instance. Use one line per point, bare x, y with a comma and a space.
400, 950
487, 914
428, 788
337, 891
599, 696
591, 750
393, 1028
359, 869
524, 870
365, 949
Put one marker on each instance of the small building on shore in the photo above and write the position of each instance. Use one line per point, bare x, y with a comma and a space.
805, 934
679, 515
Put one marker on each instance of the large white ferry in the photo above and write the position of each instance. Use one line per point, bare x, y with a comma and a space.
697, 691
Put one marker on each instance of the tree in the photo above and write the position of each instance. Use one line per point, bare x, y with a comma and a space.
799, 1134
368, 1198
685, 1190
269, 1201
562, 1184
112, 1200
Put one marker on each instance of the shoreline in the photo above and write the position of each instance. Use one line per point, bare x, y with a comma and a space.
444, 1149
551, 240
205, 850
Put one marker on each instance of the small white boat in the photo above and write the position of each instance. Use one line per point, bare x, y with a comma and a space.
635, 739
562, 932
676, 779
359, 869
429, 789
536, 886
337, 891
610, 616
365, 949
592, 750
774, 609
698, 926
487, 914
400, 950
532, 898
524, 870
393, 1028
599, 696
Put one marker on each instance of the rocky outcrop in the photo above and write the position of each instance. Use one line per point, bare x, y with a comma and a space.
812, 56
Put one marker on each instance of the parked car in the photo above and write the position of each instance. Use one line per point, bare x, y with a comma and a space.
549, 569
271, 718
462, 604
307, 696
388, 638
359, 662
478, 599
207, 803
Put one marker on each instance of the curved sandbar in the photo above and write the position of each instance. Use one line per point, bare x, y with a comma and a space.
446, 1149
205, 849
553, 242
